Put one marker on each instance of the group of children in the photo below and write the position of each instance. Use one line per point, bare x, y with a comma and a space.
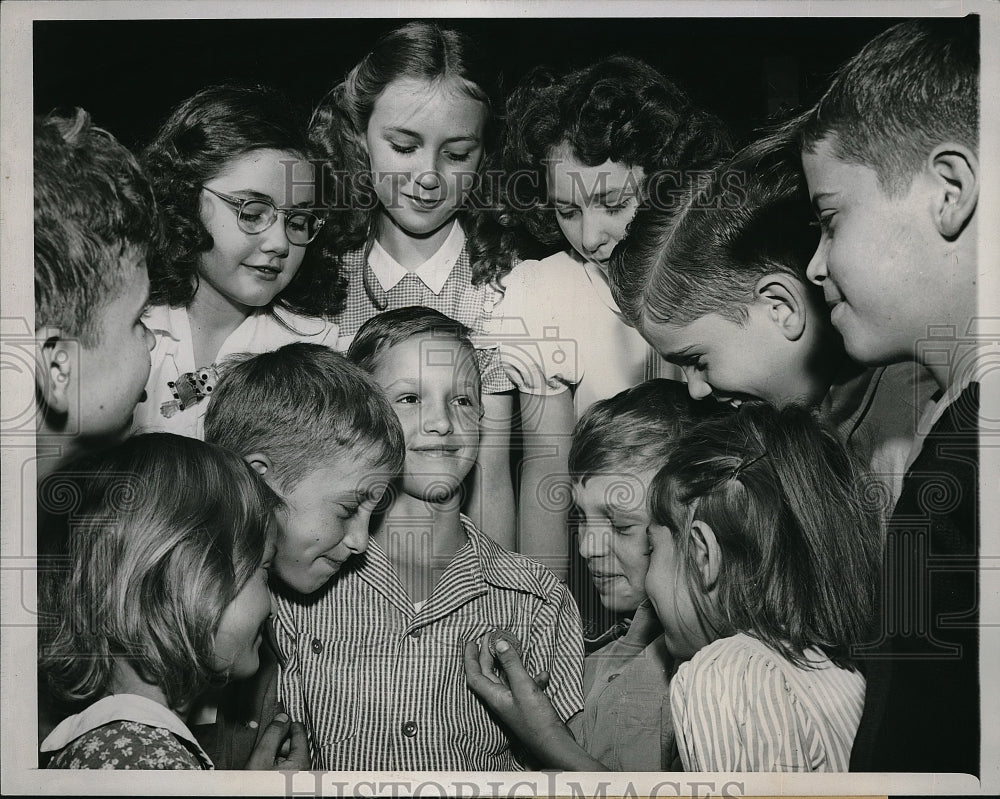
322, 346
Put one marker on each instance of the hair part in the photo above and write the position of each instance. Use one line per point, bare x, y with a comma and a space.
750, 218
618, 109
636, 429
94, 211
168, 531
304, 406
911, 88
801, 548
198, 141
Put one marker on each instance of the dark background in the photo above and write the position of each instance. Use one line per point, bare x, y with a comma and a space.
129, 74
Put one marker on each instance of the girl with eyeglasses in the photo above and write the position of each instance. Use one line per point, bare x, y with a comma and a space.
234, 272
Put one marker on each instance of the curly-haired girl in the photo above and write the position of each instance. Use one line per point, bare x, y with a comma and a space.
232, 175
579, 152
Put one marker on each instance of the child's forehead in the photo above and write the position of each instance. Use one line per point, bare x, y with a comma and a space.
424, 354
353, 472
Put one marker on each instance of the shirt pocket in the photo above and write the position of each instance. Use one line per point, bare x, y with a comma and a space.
644, 733
332, 685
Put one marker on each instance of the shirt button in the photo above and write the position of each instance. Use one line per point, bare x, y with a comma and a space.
415, 634
252, 725
316, 645
612, 677
409, 728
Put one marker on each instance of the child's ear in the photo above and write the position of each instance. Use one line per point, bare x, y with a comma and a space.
55, 357
956, 167
786, 303
259, 462
707, 555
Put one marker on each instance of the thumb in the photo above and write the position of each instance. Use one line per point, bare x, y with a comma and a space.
511, 663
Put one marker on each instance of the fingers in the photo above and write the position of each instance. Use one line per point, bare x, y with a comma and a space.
297, 758
265, 753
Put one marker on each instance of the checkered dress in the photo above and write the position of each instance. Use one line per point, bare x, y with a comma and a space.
459, 299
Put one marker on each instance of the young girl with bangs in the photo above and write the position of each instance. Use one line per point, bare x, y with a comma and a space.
167, 595
232, 173
763, 556
580, 150
405, 137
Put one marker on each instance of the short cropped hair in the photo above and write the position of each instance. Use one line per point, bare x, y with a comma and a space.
388, 329
910, 88
303, 405
750, 218
167, 531
636, 429
93, 204
801, 545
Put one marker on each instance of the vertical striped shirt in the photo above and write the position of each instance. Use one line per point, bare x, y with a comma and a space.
739, 705
381, 686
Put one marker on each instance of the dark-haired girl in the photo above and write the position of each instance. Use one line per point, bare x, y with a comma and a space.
234, 273
579, 152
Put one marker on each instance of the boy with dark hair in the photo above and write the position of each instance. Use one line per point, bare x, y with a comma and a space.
95, 222
319, 431
890, 154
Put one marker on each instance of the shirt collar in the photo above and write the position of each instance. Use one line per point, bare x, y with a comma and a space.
120, 707
433, 272
501, 568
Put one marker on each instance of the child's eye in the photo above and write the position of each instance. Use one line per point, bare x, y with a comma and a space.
824, 222
465, 402
299, 222
408, 399
567, 213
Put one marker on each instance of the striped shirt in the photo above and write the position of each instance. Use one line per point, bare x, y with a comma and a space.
738, 705
381, 686
457, 298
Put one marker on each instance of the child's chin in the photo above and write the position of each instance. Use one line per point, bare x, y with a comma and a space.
434, 489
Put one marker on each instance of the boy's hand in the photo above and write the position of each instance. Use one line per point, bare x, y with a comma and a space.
518, 700
282, 747
512, 694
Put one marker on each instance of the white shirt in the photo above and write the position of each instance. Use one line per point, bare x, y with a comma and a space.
173, 355
558, 326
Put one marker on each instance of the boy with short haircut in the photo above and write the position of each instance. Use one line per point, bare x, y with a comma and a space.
95, 223
719, 288
374, 662
319, 431
890, 154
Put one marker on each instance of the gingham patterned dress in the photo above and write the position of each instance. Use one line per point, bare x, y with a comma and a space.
458, 298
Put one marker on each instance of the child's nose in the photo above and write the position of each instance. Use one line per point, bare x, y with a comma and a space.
593, 236
356, 539
436, 419
594, 541
429, 179
816, 271
697, 387
275, 239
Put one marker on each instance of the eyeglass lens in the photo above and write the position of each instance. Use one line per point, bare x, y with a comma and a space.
301, 227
